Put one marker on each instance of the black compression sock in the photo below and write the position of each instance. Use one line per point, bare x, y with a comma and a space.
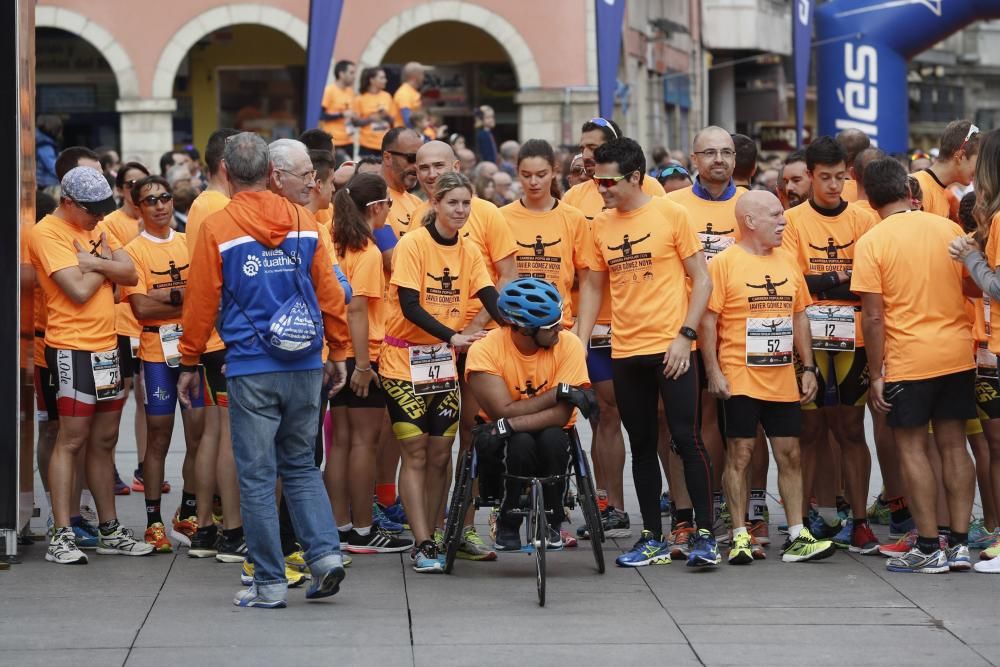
153, 511
189, 506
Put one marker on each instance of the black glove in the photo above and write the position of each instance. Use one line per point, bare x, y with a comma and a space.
490, 438
583, 398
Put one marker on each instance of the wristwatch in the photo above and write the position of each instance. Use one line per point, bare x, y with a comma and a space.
811, 369
175, 297
688, 333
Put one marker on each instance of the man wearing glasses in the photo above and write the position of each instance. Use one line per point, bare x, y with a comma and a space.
650, 248
955, 164
399, 169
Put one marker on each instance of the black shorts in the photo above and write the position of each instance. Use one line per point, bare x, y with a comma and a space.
411, 415
742, 415
347, 398
988, 398
214, 379
842, 378
128, 362
45, 395
917, 402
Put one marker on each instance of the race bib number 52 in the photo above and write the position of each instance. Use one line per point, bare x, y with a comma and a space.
769, 341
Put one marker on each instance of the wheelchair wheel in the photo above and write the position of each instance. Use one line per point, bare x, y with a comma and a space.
460, 499
588, 505
539, 531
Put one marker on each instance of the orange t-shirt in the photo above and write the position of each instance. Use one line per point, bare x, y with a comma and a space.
748, 286
993, 259
866, 206
90, 326
123, 228
527, 376
586, 197
905, 259
204, 205
401, 215
364, 271
447, 278
489, 231
161, 264
850, 191
715, 221
406, 97
366, 104
552, 245
337, 100
937, 198
822, 243
644, 252
39, 309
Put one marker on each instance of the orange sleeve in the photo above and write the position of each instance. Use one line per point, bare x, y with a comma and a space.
866, 276
718, 298
367, 278
596, 257
201, 296
330, 295
572, 365
406, 265
582, 241
53, 253
140, 269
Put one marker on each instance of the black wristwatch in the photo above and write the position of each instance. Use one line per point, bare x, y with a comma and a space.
688, 333
175, 297
811, 369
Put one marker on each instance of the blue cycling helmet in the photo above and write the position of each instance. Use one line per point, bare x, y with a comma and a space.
531, 303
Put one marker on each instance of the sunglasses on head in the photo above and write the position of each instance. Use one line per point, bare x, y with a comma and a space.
411, 158
973, 131
152, 199
601, 122
610, 181
667, 172
385, 200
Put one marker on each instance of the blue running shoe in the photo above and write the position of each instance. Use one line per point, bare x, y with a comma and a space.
821, 530
426, 558
704, 551
843, 538
397, 514
979, 536
381, 520
899, 530
665, 504
85, 533
646, 551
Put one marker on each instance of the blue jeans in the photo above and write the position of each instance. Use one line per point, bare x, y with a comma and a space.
274, 419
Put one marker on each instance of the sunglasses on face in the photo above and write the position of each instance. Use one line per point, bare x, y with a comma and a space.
411, 158
152, 199
610, 181
600, 122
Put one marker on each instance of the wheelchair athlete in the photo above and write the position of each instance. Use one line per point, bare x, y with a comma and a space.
528, 379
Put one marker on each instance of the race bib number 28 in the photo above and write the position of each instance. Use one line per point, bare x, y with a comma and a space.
107, 374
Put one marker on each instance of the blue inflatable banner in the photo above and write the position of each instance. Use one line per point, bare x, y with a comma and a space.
324, 18
609, 15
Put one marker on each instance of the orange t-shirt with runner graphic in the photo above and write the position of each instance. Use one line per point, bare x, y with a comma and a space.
161, 264
821, 243
204, 205
766, 287
123, 228
337, 100
715, 221
927, 330
447, 278
586, 197
401, 215
489, 231
644, 252
527, 376
90, 326
366, 104
364, 271
552, 245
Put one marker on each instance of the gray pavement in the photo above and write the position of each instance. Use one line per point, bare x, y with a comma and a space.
845, 610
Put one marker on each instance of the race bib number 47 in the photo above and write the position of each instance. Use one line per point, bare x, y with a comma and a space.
432, 369
769, 341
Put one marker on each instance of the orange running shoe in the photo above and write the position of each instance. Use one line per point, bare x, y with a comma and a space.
759, 530
156, 535
183, 529
680, 538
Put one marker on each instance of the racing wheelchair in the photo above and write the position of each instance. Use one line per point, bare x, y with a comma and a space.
531, 506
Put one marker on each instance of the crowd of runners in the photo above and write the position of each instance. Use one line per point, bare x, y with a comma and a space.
330, 326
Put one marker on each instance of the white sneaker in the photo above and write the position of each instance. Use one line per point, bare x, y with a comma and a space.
63, 549
122, 542
991, 566
88, 514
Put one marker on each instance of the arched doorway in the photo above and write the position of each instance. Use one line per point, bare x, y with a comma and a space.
74, 80
470, 68
246, 76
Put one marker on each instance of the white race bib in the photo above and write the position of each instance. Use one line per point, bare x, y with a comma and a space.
600, 337
134, 344
832, 327
432, 369
986, 314
769, 341
986, 362
170, 336
107, 374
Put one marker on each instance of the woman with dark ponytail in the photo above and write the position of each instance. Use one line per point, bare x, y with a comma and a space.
360, 208
553, 238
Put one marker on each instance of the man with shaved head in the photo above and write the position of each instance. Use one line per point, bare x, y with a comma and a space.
853, 141
490, 233
857, 171
711, 202
755, 319
407, 97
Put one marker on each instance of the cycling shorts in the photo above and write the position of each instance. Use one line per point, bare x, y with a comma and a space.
599, 364
842, 378
45, 395
160, 383
988, 398
76, 395
412, 415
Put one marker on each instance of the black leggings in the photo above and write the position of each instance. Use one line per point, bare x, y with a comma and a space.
638, 383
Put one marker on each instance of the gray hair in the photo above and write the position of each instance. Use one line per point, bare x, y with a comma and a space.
246, 158
280, 152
